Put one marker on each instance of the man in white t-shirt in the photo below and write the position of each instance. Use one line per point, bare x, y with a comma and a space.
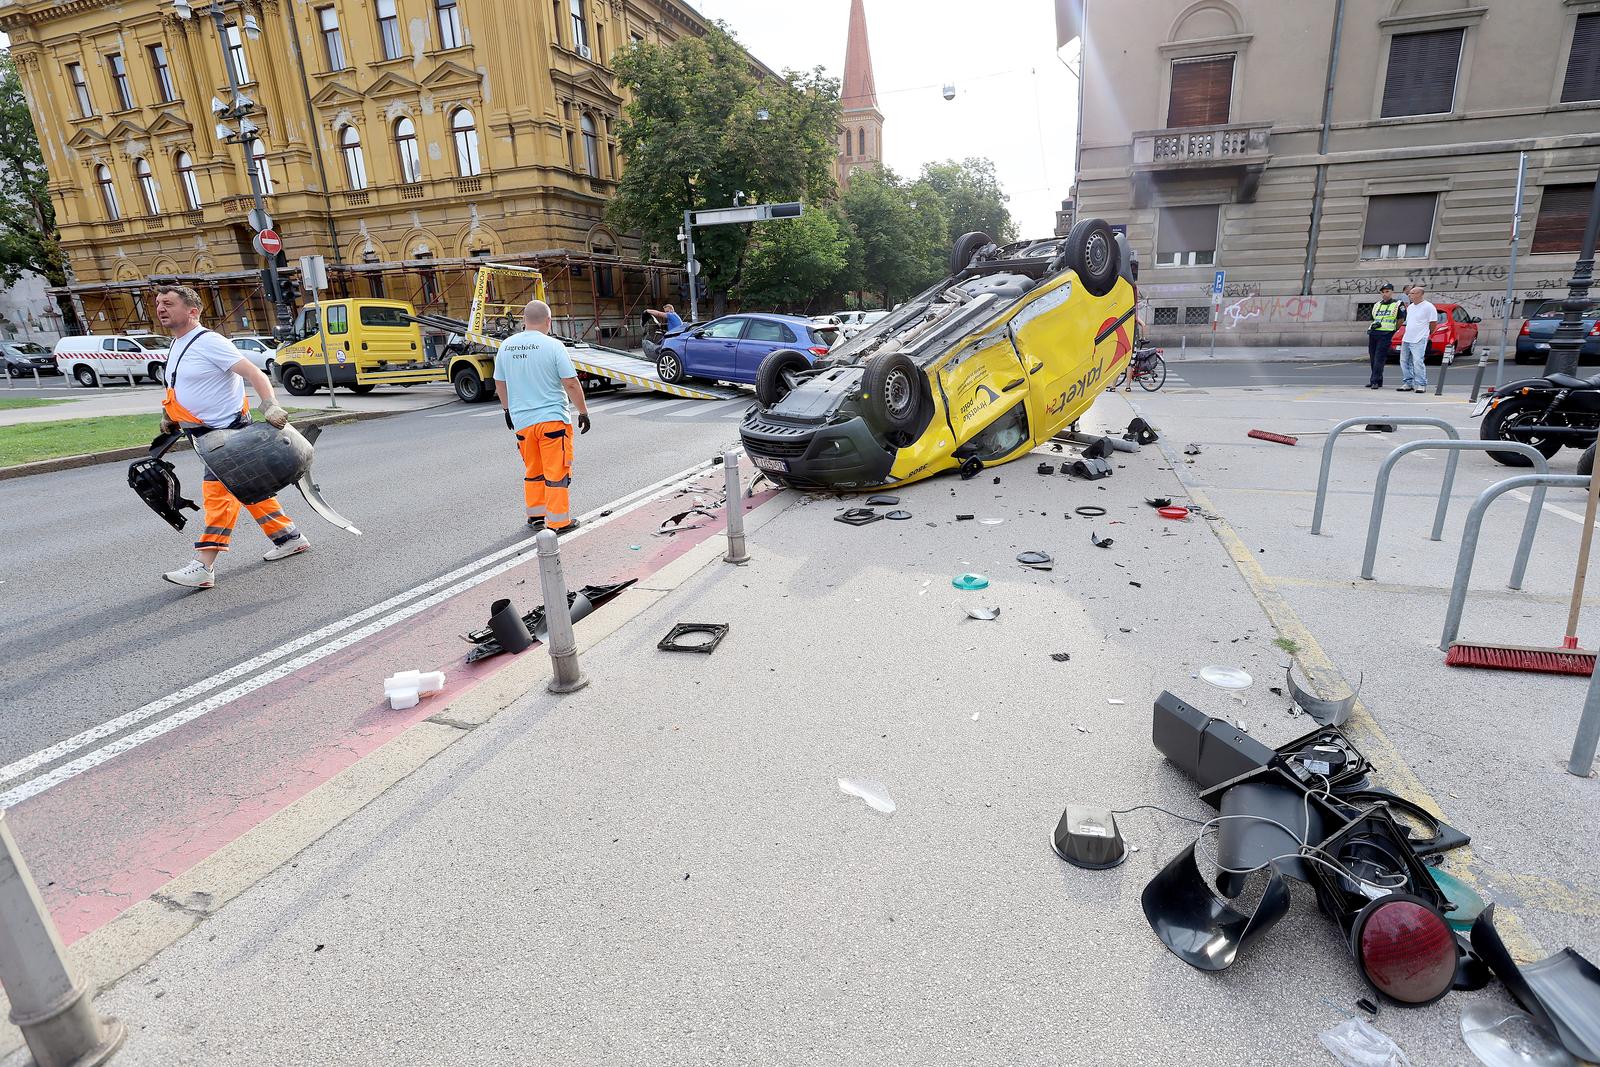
205, 392
1420, 317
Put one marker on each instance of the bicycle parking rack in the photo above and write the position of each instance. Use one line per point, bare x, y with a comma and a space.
1469, 540
1380, 494
1333, 436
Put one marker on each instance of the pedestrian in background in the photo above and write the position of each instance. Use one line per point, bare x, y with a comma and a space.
1380, 333
1420, 317
538, 389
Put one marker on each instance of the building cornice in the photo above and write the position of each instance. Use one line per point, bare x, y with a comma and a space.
20, 13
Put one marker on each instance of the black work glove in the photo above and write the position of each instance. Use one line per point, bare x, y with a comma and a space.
583, 423
509, 424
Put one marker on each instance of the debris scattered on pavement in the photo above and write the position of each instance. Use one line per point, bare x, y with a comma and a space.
1327, 712
1099, 448
1561, 990
1141, 432
1137, 585
579, 605
407, 688
857, 516
983, 614
702, 637
1175, 512
1091, 469
965, 518
1158, 501
990, 522
1226, 677
1061, 657
1101, 542
1047, 468
974, 716
883, 500
674, 523
876, 794
997, 480
1090, 511
1035, 559
899, 516
1366, 1005
1116, 703
505, 623
1505, 1037
971, 468
1357, 1043
1192, 450
970, 581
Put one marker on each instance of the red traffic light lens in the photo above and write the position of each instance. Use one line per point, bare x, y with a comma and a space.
1405, 949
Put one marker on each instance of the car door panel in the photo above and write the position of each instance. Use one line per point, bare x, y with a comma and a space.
761, 338
714, 355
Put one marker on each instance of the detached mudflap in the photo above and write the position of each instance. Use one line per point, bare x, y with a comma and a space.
622, 367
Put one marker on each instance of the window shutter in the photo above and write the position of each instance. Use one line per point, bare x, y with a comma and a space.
1187, 229
1422, 73
1563, 211
1202, 92
1400, 220
1583, 63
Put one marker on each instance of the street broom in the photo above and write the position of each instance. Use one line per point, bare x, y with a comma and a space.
1569, 658
1294, 439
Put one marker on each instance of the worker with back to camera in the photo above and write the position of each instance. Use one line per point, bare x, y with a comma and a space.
538, 388
205, 392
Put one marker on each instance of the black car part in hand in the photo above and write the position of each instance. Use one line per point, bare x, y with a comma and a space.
313, 492
707, 636
156, 482
580, 604
509, 424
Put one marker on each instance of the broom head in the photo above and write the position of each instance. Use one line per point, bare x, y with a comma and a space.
1268, 435
1519, 658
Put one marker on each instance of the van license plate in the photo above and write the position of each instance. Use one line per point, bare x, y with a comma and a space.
767, 463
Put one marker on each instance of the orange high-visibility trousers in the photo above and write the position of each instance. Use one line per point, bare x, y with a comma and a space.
222, 512
546, 449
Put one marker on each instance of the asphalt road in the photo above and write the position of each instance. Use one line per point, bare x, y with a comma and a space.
91, 630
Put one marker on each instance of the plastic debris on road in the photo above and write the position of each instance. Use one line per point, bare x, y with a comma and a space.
970, 581
1505, 1037
1100, 542
1226, 677
406, 689
983, 614
876, 794
1357, 1043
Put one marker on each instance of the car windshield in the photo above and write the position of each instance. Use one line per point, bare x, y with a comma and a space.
28, 348
152, 341
1551, 309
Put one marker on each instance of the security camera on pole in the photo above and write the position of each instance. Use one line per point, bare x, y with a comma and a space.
237, 110
724, 216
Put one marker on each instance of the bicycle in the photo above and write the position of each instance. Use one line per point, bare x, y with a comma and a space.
1149, 370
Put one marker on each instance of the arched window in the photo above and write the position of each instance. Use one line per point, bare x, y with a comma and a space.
186, 179
405, 146
861, 142
108, 192
147, 186
465, 132
355, 164
258, 153
591, 146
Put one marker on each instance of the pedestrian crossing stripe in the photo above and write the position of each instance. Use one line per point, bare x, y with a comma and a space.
615, 370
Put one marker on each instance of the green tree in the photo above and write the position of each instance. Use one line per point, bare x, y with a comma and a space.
898, 232
796, 264
702, 126
972, 195
27, 218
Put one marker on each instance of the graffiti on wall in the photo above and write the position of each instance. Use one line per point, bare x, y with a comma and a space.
1270, 309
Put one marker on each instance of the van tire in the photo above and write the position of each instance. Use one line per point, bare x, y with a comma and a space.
890, 391
967, 246
157, 373
469, 385
361, 388
85, 375
295, 382
772, 377
1091, 253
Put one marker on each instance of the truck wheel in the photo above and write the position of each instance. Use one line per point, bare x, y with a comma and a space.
295, 382
773, 377
965, 248
1500, 424
889, 389
157, 373
85, 375
469, 386
361, 388
1091, 253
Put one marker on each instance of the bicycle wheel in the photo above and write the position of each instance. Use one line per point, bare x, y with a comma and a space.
1156, 376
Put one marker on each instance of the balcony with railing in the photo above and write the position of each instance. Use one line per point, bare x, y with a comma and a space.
1242, 148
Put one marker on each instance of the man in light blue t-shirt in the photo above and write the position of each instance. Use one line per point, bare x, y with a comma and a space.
536, 382
668, 317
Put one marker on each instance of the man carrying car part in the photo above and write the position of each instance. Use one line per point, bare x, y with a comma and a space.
537, 383
1380, 332
205, 392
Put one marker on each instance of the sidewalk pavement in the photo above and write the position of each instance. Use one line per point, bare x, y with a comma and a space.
661, 868
146, 399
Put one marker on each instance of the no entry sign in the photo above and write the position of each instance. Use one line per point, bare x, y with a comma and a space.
268, 243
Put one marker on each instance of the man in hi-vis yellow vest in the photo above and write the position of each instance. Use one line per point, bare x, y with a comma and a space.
1380, 332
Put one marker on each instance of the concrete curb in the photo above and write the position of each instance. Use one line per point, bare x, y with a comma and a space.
107, 955
66, 463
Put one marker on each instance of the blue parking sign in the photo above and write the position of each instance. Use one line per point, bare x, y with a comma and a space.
1216, 284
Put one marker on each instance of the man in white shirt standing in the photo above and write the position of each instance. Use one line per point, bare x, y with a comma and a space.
1420, 317
205, 392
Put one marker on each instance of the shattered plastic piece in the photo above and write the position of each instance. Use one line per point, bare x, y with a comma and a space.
974, 716
1174, 512
1327, 712
1141, 432
673, 523
1158, 501
1114, 702
704, 637
407, 688
1091, 469
1090, 511
990, 522
1197, 926
1047, 468
1366, 1005
883, 500
898, 516
1100, 542
1226, 677
970, 581
1034, 559
857, 516
1192, 450
965, 518
1099, 448
1505, 1037
983, 614
505, 622
1357, 1043
1467, 903
1087, 836
1562, 991
580, 605
876, 794
1061, 657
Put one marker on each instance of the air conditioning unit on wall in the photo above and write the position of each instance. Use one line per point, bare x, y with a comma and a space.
584, 51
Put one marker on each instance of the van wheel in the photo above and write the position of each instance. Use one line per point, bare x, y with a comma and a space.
295, 382
361, 388
774, 376
157, 373
889, 389
86, 375
469, 386
965, 248
1091, 253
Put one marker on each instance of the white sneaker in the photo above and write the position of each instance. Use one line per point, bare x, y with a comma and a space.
292, 547
192, 575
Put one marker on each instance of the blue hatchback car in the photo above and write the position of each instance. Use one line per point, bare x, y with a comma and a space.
730, 349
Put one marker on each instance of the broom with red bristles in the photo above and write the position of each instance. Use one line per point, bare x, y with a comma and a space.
1569, 658
1294, 438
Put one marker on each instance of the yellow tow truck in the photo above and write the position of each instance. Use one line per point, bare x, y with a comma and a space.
372, 342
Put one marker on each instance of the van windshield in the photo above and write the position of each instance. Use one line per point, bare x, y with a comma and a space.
152, 341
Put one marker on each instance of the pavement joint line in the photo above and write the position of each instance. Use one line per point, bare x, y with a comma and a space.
103, 957
1511, 596
519, 553
1392, 769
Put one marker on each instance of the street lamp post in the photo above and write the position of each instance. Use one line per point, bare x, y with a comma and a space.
1568, 341
237, 110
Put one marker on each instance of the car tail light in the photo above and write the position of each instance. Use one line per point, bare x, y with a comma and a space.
1524, 331
818, 350
1594, 331
1405, 949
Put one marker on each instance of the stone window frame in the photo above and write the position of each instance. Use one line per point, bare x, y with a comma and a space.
1236, 44
1574, 8
1466, 19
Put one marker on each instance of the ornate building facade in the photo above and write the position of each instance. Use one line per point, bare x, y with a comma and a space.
400, 139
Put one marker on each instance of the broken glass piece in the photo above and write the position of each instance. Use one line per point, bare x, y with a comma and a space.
970, 581
1505, 1037
983, 614
1226, 677
876, 794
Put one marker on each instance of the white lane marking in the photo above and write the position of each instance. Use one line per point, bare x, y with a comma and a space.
46, 756
675, 405
1522, 495
445, 415
497, 413
634, 403
710, 410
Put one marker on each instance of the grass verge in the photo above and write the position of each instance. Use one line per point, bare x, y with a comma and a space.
17, 403
31, 442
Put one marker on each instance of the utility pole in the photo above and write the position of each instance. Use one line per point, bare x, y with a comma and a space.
1565, 346
724, 216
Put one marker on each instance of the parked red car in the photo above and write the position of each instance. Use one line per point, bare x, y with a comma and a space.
1458, 328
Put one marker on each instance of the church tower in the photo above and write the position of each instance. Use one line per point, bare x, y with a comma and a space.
861, 138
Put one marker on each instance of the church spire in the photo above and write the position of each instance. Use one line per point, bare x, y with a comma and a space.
859, 93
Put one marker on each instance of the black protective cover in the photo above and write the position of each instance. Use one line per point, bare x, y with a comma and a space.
1200, 928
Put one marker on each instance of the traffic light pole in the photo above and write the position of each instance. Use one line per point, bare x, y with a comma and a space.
1568, 341
725, 216
689, 264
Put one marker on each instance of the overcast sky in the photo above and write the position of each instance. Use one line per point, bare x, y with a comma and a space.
1015, 102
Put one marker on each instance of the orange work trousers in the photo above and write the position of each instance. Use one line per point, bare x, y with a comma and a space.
222, 512
546, 449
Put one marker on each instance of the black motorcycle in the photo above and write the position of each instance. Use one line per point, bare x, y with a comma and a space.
1548, 413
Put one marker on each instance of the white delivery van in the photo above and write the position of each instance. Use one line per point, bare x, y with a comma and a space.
90, 357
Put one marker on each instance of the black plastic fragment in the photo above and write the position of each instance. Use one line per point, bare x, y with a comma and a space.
964, 518
1091, 469
1034, 559
1047, 468
970, 468
857, 516
1141, 432
1192, 450
1099, 448
883, 500
898, 516
579, 604
1061, 657
1100, 542
1090, 511
510, 632
713, 632
1158, 501
1199, 927
1562, 991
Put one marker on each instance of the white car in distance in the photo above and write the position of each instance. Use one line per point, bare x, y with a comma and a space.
258, 349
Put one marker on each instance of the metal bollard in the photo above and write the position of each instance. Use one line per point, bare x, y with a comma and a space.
563, 645
735, 509
54, 1012
1583, 746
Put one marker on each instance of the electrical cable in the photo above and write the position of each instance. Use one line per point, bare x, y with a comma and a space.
1164, 811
